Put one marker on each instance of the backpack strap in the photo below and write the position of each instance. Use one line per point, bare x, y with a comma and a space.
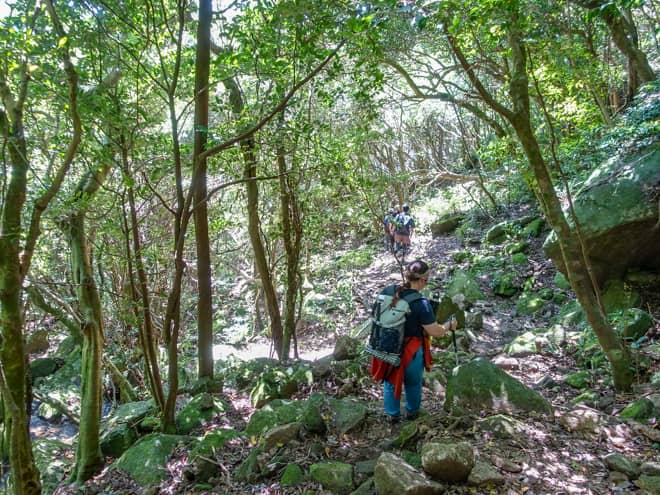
415, 296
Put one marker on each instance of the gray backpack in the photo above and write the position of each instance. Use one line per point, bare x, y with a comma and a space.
388, 325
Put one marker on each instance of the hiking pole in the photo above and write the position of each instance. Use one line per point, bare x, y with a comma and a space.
452, 318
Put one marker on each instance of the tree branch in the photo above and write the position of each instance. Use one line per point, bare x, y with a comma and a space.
278, 108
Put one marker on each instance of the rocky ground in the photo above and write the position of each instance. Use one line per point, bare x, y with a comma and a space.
564, 455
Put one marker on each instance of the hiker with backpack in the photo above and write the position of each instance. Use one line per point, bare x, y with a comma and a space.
417, 326
405, 226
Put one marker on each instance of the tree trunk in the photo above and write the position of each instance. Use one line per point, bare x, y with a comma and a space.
142, 299
12, 353
260, 258
624, 35
204, 305
171, 325
89, 459
254, 224
291, 235
575, 262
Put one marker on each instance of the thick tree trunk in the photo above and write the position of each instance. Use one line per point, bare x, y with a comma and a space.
12, 353
624, 35
204, 305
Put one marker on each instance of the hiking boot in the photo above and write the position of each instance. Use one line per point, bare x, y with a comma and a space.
393, 419
412, 416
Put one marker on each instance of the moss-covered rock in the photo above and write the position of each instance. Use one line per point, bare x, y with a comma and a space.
588, 397
640, 410
293, 475
131, 412
561, 282
572, 314
42, 367
334, 476
617, 214
526, 344
278, 412
311, 416
497, 233
618, 296
633, 323
446, 224
580, 379
446, 308
534, 228
448, 462
516, 247
202, 455
519, 259
528, 304
482, 385
347, 414
505, 285
464, 283
249, 469
649, 484
201, 409
546, 293
51, 461
118, 439
146, 461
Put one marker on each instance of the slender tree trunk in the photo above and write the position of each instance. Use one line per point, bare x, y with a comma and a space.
291, 235
89, 459
576, 264
574, 260
260, 258
147, 334
171, 325
204, 305
254, 225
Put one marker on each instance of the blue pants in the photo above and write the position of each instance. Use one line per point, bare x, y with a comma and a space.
412, 383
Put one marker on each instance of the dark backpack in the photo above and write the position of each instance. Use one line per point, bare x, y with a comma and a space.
403, 222
388, 325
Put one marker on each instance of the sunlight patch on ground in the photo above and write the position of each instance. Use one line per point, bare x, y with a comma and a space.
263, 350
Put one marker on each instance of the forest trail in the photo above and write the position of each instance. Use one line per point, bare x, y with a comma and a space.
561, 455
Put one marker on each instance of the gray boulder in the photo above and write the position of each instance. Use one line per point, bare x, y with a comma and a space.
334, 476
484, 474
446, 224
618, 212
394, 476
449, 462
480, 384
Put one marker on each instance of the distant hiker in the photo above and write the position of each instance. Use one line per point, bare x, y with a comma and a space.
388, 225
405, 226
416, 354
